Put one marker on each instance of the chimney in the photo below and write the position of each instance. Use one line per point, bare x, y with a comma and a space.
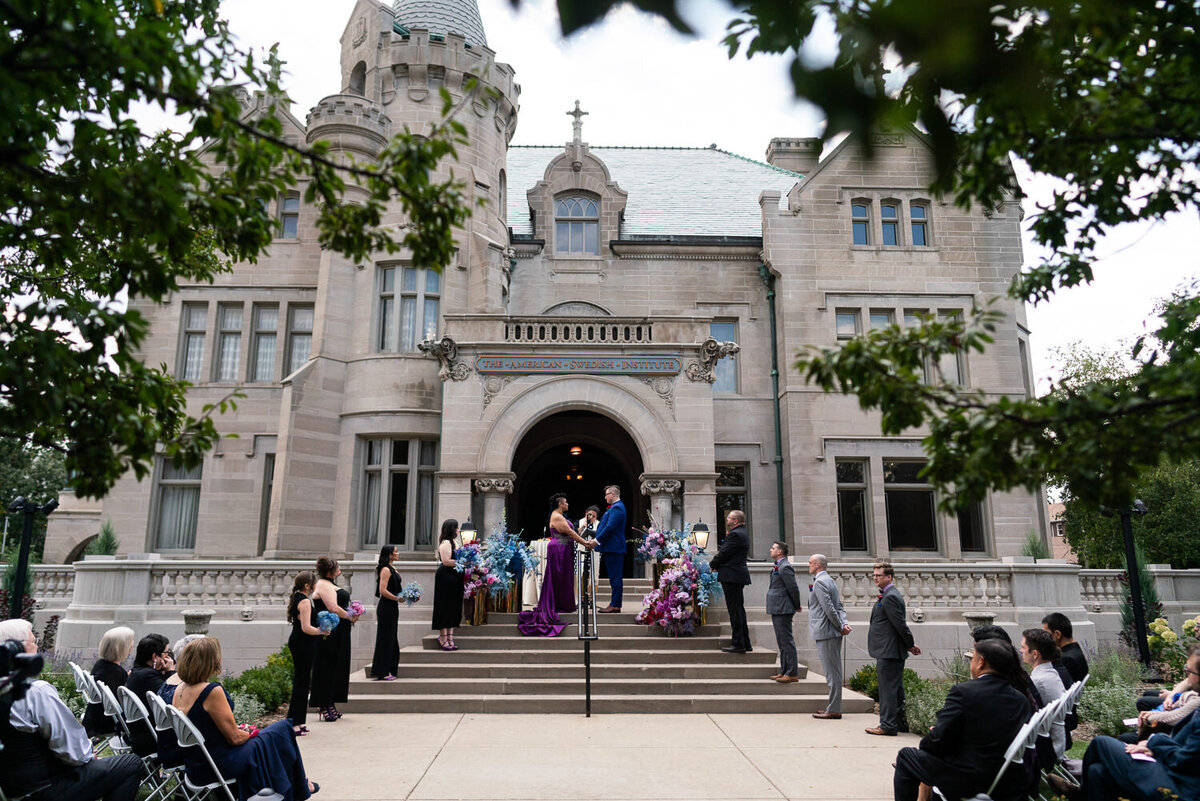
797, 155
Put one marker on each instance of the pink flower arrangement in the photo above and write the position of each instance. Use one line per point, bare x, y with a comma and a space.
686, 584
477, 577
355, 609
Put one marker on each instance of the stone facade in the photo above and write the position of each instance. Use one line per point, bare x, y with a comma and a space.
379, 400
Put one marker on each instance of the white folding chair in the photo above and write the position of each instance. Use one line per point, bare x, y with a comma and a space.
169, 758
119, 742
136, 716
188, 736
1026, 737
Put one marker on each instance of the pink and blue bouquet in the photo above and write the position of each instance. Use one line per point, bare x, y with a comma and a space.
477, 577
411, 592
687, 584
506, 558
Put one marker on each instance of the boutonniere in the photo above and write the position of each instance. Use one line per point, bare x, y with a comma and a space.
810, 588
881, 596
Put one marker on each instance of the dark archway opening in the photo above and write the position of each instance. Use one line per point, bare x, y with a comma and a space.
545, 464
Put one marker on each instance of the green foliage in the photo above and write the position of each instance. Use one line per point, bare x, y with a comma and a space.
35, 473
1151, 604
97, 207
58, 673
106, 542
923, 699
247, 708
865, 681
1034, 546
270, 684
1108, 698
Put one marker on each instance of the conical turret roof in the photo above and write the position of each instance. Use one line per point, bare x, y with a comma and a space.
441, 17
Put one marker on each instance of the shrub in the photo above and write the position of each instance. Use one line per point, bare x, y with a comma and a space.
270, 684
58, 674
1034, 546
49, 634
105, 543
865, 681
923, 699
1108, 698
246, 707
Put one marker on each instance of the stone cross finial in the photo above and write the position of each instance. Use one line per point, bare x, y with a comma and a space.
577, 125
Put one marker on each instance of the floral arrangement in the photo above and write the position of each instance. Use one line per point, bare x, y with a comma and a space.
327, 621
410, 593
658, 544
355, 609
1170, 649
477, 576
506, 558
687, 584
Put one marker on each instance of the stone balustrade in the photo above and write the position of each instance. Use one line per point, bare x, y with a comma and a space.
1101, 587
931, 585
53, 586
610, 331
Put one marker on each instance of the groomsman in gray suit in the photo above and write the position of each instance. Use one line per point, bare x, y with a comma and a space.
890, 642
827, 625
783, 599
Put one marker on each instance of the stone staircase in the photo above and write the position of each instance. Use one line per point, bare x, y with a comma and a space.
635, 668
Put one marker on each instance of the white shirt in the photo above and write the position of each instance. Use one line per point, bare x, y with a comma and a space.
41, 710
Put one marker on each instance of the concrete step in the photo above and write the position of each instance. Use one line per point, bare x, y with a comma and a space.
605, 628
573, 703
723, 669
567, 640
602, 684
684, 653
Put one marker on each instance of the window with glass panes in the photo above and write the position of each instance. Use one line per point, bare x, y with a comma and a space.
191, 348
726, 368
880, 319
577, 225
952, 365
860, 223
852, 503
847, 321
971, 533
300, 331
918, 216
398, 493
289, 214
177, 506
419, 300
732, 493
908, 498
889, 219
266, 339
229, 341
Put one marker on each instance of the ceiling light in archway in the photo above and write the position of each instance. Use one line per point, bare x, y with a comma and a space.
576, 450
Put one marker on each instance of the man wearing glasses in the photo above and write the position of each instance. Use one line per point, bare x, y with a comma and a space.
890, 642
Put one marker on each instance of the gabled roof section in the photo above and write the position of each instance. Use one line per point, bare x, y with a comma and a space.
440, 17
673, 191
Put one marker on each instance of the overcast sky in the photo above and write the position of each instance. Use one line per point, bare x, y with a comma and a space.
644, 84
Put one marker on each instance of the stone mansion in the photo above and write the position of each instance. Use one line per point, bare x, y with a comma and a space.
622, 315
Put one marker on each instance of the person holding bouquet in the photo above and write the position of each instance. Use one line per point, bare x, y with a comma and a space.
331, 667
558, 587
303, 645
447, 588
387, 616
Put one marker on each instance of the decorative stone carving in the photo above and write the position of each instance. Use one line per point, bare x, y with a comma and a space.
493, 386
977, 618
504, 486
360, 31
881, 139
248, 613
446, 352
918, 616
663, 388
196, 621
661, 486
711, 352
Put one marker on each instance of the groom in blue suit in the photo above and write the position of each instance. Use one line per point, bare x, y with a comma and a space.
610, 542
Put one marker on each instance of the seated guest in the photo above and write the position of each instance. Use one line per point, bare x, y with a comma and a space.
1072, 657
1113, 769
115, 647
152, 663
965, 747
167, 689
994, 632
1039, 651
1164, 721
265, 759
47, 755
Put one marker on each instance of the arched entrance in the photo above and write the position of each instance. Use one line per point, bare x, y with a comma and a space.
577, 453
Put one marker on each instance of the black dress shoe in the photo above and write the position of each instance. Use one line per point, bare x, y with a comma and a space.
729, 649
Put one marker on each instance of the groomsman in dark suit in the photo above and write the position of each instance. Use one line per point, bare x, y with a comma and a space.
610, 542
890, 642
734, 575
783, 599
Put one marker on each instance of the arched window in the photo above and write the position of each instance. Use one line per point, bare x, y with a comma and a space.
860, 221
358, 80
577, 225
502, 201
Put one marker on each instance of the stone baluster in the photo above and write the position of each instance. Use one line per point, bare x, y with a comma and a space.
493, 489
662, 492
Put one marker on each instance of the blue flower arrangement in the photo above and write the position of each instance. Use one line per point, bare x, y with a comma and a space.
411, 592
686, 585
506, 558
327, 621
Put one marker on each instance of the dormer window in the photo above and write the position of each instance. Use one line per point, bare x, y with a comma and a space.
577, 225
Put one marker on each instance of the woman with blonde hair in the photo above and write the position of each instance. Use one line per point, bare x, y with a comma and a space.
257, 759
115, 646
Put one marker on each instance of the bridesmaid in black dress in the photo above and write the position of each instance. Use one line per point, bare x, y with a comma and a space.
331, 668
387, 615
447, 588
303, 645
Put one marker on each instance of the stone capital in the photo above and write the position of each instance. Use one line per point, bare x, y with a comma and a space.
661, 486
503, 486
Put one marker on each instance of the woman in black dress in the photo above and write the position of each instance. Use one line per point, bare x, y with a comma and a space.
115, 647
387, 616
447, 588
303, 644
331, 668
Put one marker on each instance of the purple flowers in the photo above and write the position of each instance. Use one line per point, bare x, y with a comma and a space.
687, 584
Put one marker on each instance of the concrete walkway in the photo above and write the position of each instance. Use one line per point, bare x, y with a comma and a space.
428, 757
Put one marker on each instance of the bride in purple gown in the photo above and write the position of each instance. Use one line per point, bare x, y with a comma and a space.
558, 586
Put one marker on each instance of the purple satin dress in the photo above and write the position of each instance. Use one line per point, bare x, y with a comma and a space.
558, 591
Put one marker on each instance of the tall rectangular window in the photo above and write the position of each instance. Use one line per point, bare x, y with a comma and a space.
399, 490
289, 213
229, 341
852, 503
918, 218
1026, 378
952, 366
191, 349
732, 493
178, 507
889, 218
860, 223
971, 533
848, 325
264, 512
300, 331
420, 297
387, 309
266, 336
726, 369
908, 497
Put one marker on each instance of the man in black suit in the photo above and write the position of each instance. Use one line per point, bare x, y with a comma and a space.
730, 564
890, 642
962, 752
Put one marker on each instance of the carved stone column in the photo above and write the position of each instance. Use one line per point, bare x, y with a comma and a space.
662, 492
493, 489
